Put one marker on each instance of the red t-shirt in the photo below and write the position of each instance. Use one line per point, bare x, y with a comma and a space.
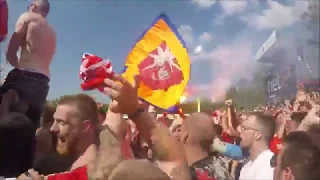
77, 174
3, 19
275, 144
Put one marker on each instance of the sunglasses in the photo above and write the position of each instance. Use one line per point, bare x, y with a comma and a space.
273, 161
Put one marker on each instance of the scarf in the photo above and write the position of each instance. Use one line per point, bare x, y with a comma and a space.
93, 71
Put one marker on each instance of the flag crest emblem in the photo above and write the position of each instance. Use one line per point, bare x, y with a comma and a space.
160, 57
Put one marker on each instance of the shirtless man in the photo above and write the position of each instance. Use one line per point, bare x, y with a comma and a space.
37, 40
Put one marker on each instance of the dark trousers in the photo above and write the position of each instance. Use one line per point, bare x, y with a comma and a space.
31, 87
17, 141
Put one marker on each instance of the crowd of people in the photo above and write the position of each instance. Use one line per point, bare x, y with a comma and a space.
72, 139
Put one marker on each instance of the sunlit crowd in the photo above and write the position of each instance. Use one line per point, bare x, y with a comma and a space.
73, 139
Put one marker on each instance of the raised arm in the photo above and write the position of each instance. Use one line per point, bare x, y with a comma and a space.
310, 119
17, 38
116, 122
171, 158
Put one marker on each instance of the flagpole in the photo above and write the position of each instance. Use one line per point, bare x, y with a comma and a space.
199, 104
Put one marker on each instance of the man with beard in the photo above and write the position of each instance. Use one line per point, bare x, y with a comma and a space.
256, 134
75, 123
299, 158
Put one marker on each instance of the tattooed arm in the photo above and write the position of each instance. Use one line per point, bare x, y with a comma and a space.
108, 156
116, 123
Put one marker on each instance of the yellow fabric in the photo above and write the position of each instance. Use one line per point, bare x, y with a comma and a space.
161, 34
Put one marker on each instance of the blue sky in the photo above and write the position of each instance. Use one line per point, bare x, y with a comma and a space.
229, 31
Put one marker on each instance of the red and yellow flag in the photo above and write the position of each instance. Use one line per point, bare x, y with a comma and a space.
160, 57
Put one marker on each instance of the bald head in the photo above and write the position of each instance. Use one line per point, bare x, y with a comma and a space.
43, 5
199, 127
137, 170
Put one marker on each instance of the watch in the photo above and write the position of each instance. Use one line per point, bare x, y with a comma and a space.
136, 114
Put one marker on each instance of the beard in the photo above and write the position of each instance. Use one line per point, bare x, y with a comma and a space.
63, 146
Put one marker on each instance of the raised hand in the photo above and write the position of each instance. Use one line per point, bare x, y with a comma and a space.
123, 93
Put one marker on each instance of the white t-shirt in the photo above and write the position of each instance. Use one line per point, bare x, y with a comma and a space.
258, 169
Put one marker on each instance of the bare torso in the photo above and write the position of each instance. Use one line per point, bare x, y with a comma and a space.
39, 46
88, 156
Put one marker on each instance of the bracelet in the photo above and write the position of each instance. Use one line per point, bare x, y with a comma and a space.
136, 114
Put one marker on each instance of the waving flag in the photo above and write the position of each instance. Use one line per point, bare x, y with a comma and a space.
160, 57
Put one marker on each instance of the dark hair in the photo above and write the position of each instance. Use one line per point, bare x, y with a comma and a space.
298, 116
267, 124
17, 142
136, 147
302, 155
47, 115
314, 128
292, 100
217, 129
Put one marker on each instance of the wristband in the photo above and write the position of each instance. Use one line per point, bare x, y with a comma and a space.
136, 114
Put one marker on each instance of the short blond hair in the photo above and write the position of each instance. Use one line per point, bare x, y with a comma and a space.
86, 106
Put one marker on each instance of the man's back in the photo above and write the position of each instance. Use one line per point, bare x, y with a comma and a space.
39, 44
